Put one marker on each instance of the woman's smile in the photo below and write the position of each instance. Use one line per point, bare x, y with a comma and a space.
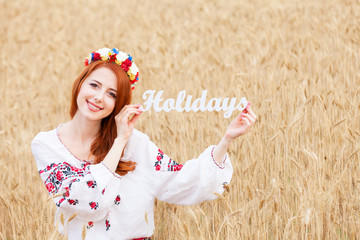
93, 107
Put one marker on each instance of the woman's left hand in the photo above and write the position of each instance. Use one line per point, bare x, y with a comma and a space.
241, 124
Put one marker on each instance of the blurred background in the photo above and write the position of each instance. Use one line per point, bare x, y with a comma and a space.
296, 173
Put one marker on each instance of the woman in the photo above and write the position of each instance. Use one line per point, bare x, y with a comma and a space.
104, 175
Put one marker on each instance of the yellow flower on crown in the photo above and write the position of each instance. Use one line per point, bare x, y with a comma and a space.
132, 76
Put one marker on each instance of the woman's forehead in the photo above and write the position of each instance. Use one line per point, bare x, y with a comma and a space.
105, 76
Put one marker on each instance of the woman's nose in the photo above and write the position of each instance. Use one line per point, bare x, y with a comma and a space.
99, 97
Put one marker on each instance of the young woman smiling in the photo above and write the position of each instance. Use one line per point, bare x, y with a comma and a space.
104, 174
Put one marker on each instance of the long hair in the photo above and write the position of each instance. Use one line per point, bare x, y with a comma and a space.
107, 133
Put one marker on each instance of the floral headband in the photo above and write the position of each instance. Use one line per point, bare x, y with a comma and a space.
118, 57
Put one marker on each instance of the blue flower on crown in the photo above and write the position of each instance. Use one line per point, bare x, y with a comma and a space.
115, 50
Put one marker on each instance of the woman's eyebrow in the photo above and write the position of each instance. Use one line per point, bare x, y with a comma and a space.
101, 84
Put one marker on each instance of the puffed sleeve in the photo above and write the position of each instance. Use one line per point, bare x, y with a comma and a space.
195, 181
88, 190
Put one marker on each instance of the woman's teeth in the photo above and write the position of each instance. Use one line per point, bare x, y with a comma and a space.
92, 107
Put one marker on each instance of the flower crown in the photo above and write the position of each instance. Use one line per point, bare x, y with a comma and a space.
118, 57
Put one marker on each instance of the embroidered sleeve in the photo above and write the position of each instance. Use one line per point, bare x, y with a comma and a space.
195, 181
89, 190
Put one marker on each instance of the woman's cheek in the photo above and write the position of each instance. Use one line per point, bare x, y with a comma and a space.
111, 102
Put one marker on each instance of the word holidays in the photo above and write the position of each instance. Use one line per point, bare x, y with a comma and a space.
185, 103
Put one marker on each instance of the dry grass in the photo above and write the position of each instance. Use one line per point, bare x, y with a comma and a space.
296, 174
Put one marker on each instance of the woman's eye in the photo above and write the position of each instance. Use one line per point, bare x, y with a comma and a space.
93, 84
112, 94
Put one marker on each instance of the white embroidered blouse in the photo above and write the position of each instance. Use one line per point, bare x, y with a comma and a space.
110, 206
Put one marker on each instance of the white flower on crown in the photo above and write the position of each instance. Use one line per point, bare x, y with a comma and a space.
121, 56
104, 52
89, 58
134, 69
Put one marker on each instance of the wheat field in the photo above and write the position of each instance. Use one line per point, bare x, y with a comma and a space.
296, 174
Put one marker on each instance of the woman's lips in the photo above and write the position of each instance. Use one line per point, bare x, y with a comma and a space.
93, 107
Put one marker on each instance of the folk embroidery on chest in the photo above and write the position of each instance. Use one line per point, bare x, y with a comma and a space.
166, 164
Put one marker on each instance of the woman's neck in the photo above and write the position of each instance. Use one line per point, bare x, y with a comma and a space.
84, 129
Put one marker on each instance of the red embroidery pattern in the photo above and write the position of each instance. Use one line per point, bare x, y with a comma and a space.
117, 200
107, 224
90, 225
91, 184
59, 173
67, 194
94, 205
223, 162
60, 202
158, 162
103, 191
172, 166
73, 201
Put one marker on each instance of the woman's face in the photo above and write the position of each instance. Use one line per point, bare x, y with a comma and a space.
97, 95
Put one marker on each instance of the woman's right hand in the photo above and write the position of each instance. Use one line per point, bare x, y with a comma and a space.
125, 120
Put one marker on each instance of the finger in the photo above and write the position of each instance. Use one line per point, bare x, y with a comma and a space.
251, 112
134, 118
239, 117
136, 106
246, 121
126, 117
127, 110
133, 105
246, 107
249, 117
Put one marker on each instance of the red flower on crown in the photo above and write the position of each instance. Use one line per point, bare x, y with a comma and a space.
126, 65
112, 58
96, 56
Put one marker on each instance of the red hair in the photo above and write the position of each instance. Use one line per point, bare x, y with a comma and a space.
107, 133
